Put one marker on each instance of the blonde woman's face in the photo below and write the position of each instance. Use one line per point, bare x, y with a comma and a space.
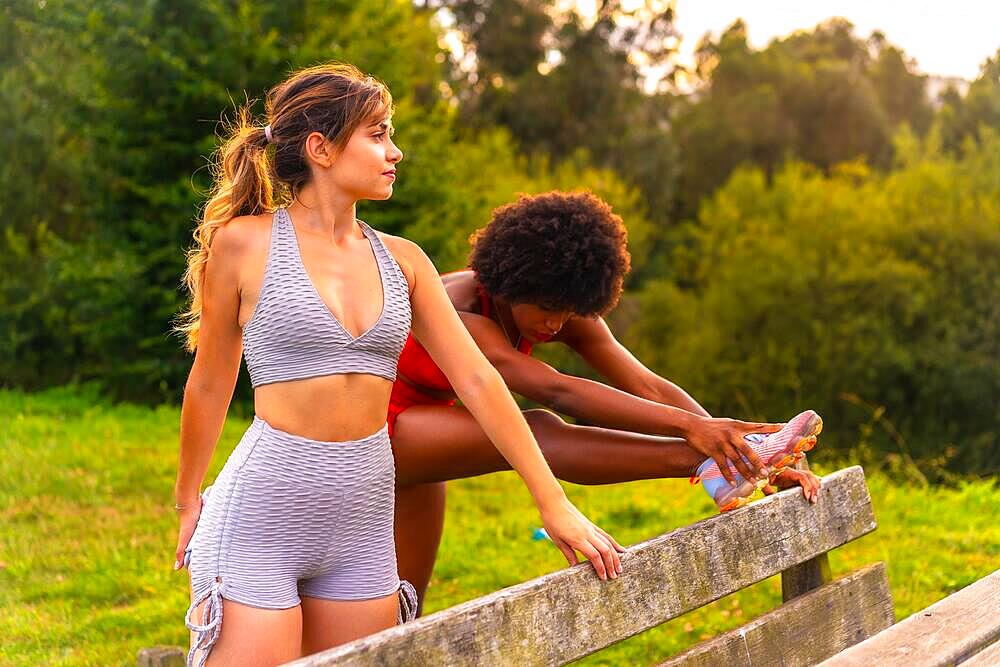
366, 168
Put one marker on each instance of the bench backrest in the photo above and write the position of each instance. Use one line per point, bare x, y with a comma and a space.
568, 614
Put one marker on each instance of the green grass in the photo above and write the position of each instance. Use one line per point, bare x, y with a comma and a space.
87, 536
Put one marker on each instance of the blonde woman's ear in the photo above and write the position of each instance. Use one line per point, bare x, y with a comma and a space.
319, 149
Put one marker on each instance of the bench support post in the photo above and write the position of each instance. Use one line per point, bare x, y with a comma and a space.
806, 576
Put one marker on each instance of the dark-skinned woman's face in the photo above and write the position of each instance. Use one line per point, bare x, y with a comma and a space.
538, 324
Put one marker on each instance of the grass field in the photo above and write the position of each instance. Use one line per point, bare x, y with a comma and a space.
87, 536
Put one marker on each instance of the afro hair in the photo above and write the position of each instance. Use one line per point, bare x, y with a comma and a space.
560, 251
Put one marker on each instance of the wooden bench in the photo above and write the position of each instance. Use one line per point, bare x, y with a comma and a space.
962, 628
569, 614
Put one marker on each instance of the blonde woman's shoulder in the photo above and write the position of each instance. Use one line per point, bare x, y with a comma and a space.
243, 236
406, 253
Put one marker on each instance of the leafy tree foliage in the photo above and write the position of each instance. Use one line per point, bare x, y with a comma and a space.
823, 96
870, 297
962, 118
848, 261
560, 85
111, 111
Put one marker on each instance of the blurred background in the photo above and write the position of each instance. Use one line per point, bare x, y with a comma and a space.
813, 202
812, 192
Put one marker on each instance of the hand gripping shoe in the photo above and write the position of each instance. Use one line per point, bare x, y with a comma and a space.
776, 450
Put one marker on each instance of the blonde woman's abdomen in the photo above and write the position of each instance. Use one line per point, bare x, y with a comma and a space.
330, 408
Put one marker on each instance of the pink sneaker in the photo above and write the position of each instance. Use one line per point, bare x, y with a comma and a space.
776, 450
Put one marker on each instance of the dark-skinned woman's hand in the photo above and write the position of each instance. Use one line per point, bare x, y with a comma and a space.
790, 477
722, 440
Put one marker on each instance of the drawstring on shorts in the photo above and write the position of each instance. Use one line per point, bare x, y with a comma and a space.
207, 633
407, 602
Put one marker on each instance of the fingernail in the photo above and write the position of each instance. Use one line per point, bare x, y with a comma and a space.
177, 565
763, 472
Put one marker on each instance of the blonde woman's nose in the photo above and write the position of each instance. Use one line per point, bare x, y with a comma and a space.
395, 155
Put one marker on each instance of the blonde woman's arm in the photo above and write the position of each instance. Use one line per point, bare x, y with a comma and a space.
210, 384
436, 325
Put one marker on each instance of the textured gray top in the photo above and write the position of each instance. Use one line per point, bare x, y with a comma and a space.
292, 334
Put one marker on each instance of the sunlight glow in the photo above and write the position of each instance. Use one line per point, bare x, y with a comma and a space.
946, 39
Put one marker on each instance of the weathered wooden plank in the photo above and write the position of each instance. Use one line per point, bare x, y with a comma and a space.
988, 657
947, 632
570, 613
810, 628
161, 656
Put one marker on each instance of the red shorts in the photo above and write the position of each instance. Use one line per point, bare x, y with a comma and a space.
404, 396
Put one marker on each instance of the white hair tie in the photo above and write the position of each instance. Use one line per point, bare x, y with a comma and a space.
267, 134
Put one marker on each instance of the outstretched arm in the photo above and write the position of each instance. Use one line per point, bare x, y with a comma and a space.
607, 406
438, 328
593, 340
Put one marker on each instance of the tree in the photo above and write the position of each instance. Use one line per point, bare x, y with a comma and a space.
868, 296
559, 85
823, 96
113, 112
962, 119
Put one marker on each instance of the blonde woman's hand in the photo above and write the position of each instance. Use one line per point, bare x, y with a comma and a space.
571, 531
188, 522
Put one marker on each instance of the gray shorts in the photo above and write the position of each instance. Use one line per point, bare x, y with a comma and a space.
289, 516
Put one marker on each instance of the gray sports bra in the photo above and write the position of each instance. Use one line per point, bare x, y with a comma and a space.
292, 334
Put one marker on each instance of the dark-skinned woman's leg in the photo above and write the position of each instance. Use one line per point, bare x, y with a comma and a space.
419, 522
433, 444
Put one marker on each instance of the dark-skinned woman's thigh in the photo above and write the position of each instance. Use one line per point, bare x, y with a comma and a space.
440, 443
432, 444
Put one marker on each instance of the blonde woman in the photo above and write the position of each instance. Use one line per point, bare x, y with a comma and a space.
293, 544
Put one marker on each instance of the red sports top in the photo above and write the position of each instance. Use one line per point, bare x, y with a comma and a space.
418, 367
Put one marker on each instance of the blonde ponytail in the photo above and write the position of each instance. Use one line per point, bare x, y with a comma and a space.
244, 185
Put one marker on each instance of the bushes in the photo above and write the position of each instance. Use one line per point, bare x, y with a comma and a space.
849, 292
110, 123
871, 298
66, 310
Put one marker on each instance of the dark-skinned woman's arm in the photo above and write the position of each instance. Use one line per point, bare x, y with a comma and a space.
592, 339
607, 406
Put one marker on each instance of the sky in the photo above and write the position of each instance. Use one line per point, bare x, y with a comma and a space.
945, 37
